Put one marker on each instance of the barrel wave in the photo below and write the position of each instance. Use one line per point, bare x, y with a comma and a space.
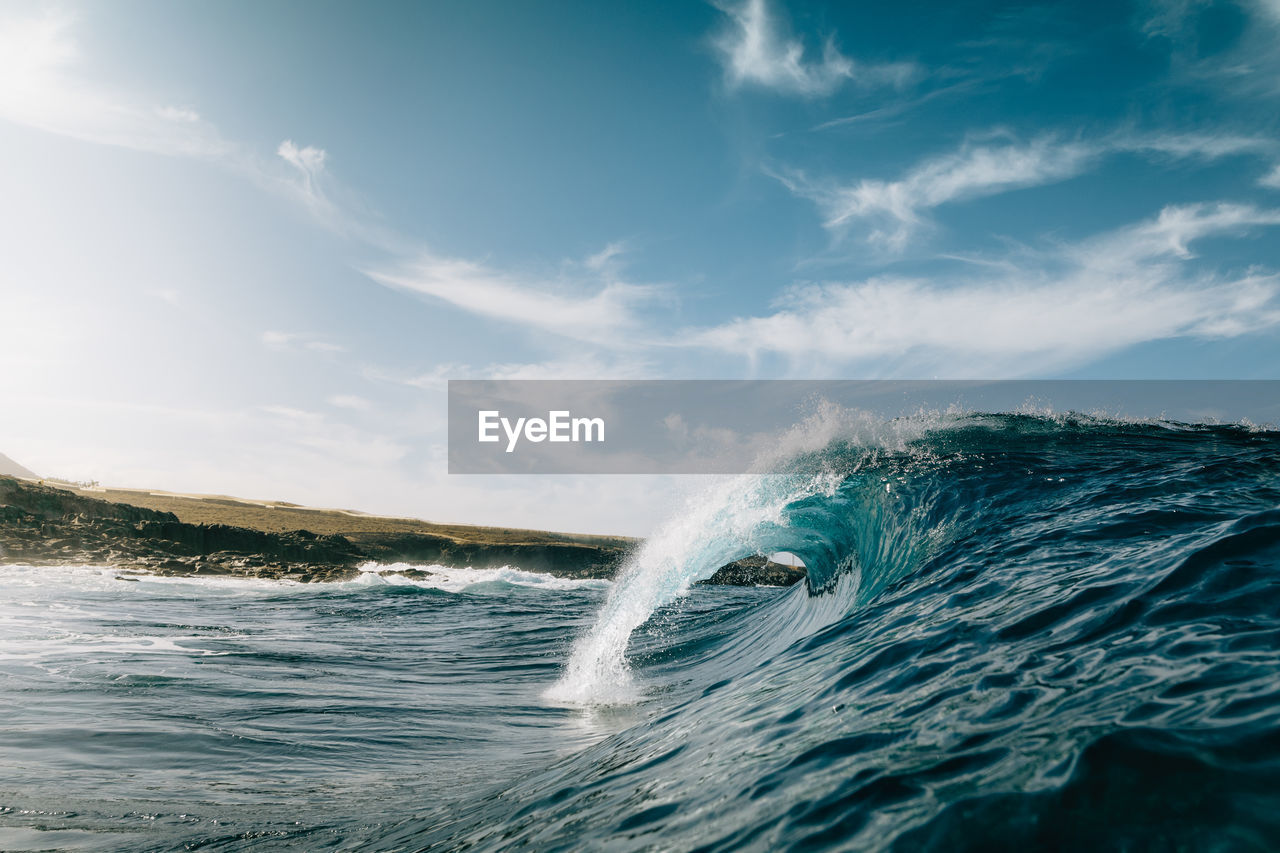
1018, 632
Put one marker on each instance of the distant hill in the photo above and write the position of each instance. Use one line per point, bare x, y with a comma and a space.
10, 468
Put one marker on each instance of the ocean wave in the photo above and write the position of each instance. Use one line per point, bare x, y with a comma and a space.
1016, 627
1018, 632
871, 501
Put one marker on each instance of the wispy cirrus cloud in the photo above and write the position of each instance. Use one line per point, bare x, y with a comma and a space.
331, 205
1171, 234
1243, 64
1202, 146
286, 341
890, 213
1269, 9
309, 163
349, 401
755, 51
43, 85
1051, 311
595, 307
894, 211
46, 83
1173, 18
590, 365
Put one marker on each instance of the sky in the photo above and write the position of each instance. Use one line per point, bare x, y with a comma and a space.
243, 245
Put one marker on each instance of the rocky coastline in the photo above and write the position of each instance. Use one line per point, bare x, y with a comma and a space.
44, 525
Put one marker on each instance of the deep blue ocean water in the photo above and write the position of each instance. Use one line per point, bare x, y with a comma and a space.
1018, 633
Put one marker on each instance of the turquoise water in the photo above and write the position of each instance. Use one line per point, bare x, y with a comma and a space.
1019, 633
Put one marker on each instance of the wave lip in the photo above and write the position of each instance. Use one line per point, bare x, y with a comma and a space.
825, 503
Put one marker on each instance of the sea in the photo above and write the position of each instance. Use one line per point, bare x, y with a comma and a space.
1018, 632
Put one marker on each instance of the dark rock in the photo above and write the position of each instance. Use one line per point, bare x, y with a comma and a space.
756, 571
412, 574
565, 559
48, 502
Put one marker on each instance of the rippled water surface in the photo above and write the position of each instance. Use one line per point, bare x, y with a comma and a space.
1019, 633
157, 712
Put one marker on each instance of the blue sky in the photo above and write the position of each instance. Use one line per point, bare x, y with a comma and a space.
244, 244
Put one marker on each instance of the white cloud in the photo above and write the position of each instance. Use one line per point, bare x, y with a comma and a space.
1271, 179
1245, 66
185, 114
284, 341
46, 85
895, 210
590, 366
309, 161
892, 212
598, 310
1172, 232
756, 53
43, 85
277, 340
1070, 307
604, 260
1188, 145
580, 366
1178, 20
349, 401
314, 432
315, 190
1168, 18
1269, 9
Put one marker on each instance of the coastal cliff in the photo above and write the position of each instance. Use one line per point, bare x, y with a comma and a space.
184, 535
